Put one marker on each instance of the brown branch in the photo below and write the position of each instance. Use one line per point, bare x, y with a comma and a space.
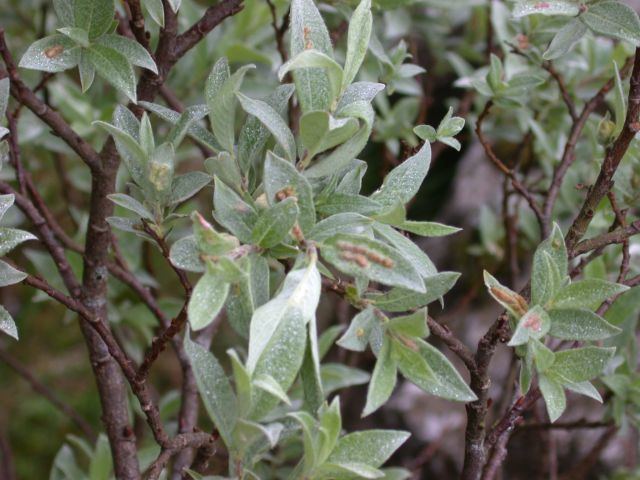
619, 235
499, 435
279, 31
166, 253
175, 445
611, 161
577, 425
137, 22
453, 343
564, 93
474, 456
7, 468
517, 185
160, 342
212, 17
49, 394
568, 156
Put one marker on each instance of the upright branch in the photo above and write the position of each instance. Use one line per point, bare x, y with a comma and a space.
612, 159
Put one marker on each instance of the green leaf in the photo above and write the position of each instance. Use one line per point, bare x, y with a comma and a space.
328, 338
248, 294
129, 149
160, 169
428, 229
349, 470
310, 445
343, 155
315, 59
101, 463
7, 325
115, 68
185, 255
280, 175
4, 96
226, 168
347, 222
619, 103
450, 125
320, 131
64, 11
207, 300
136, 54
402, 300
131, 204
550, 266
242, 382
232, 212
360, 331
411, 362
338, 203
360, 256
565, 39
383, 379
6, 201
359, 92
614, 19
554, 397
580, 324
495, 77
271, 119
270, 385
545, 278
336, 376
254, 135
9, 275
215, 390
542, 355
195, 131
209, 240
156, 10
407, 249
273, 225
78, 35
581, 364
588, 293
413, 325
447, 383
310, 375
426, 132
277, 336
220, 94
584, 388
330, 428
10, 238
357, 41
186, 186
403, 182
309, 31
54, 53
94, 16
369, 447
568, 8
87, 71
533, 324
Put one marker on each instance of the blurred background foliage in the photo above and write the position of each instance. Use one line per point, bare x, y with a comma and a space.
429, 53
